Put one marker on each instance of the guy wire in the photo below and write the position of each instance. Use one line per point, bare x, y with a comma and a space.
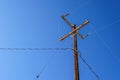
90, 68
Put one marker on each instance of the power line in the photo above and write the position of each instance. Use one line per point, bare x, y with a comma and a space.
104, 42
44, 67
90, 68
32, 49
108, 26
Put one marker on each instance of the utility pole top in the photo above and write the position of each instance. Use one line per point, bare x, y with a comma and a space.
74, 32
75, 29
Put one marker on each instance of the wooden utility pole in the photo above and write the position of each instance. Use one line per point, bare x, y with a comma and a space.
74, 32
76, 68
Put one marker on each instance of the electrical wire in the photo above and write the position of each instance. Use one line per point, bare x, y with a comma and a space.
44, 67
104, 42
106, 27
33, 49
90, 68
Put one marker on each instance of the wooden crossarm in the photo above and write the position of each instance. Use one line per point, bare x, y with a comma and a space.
79, 27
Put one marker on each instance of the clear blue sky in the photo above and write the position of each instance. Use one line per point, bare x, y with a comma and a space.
37, 24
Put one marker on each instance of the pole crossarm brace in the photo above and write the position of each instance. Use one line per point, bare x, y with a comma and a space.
63, 17
75, 30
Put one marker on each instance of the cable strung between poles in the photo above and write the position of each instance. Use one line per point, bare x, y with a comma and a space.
34, 48
38, 49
